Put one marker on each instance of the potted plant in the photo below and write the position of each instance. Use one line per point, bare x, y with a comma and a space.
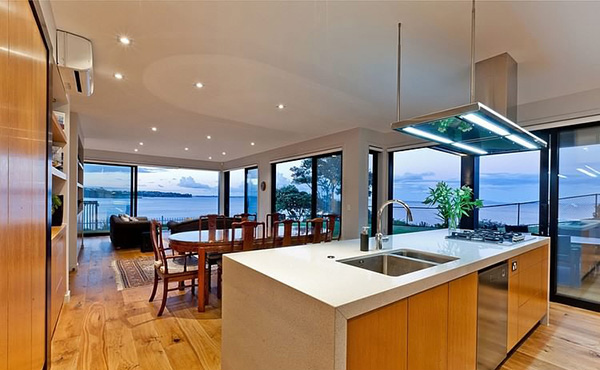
57, 210
452, 203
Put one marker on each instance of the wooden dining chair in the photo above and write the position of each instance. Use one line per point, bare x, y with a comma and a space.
170, 268
330, 222
250, 239
314, 231
272, 218
289, 237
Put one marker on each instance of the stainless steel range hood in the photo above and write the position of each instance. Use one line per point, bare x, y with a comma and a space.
473, 129
480, 127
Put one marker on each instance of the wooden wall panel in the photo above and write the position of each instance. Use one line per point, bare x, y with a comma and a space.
428, 329
3, 183
462, 323
23, 174
377, 339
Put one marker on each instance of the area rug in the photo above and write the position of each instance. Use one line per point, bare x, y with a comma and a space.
133, 272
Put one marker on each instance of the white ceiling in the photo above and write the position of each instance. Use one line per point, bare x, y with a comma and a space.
333, 64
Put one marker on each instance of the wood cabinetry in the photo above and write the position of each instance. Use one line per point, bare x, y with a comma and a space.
58, 273
527, 293
435, 329
23, 193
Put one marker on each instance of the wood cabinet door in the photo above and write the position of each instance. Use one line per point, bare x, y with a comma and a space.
462, 323
512, 335
377, 339
428, 329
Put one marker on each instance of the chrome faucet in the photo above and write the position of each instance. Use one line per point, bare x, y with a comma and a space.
379, 235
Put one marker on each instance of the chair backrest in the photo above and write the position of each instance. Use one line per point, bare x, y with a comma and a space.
249, 240
157, 244
246, 216
331, 220
288, 233
272, 218
314, 230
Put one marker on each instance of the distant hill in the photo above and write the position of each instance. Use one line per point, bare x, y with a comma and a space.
104, 193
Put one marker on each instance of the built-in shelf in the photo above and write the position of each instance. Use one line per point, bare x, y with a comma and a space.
58, 134
80, 185
56, 230
58, 174
80, 164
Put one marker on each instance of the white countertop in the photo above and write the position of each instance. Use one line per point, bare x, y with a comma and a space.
353, 290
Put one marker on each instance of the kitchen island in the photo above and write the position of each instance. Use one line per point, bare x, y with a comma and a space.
303, 308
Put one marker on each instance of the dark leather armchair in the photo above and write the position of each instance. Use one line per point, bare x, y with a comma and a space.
128, 234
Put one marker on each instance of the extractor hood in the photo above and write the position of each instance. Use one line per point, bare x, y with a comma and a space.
475, 128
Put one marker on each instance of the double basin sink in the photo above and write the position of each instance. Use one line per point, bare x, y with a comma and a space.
399, 262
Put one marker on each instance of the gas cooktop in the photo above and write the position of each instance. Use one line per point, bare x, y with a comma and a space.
488, 236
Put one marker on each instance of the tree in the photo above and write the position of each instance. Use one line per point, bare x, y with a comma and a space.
329, 179
293, 201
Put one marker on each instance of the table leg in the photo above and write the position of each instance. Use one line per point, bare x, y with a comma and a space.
201, 276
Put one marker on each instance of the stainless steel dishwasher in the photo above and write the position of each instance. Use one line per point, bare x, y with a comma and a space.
492, 316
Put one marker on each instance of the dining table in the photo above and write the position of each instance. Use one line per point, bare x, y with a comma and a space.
203, 242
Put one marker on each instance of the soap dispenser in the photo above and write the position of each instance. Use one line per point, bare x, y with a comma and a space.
364, 239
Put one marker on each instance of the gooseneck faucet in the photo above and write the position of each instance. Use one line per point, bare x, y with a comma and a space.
379, 235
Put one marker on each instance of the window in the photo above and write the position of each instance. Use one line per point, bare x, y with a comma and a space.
509, 185
413, 173
372, 186
176, 194
107, 191
236, 192
241, 191
308, 187
251, 196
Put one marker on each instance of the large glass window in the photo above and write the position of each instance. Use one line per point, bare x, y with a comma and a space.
236, 192
252, 191
176, 194
578, 229
509, 185
107, 191
372, 186
309, 187
414, 172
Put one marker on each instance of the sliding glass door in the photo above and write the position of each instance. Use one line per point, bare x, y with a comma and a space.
108, 190
241, 191
576, 216
251, 191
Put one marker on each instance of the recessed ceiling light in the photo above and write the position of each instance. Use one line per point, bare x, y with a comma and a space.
124, 40
199, 85
208, 137
186, 148
118, 76
252, 143
154, 129
224, 153
141, 143
280, 106
135, 150
209, 157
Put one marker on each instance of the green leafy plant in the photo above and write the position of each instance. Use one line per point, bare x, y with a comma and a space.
452, 203
56, 203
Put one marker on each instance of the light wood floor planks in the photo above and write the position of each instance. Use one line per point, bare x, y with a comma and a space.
104, 329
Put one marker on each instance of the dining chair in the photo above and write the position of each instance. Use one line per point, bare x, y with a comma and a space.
288, 238
250, 239
330, 221
314, 231
272, 218
170, 268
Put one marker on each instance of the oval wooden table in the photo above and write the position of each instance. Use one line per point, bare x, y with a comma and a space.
202, 242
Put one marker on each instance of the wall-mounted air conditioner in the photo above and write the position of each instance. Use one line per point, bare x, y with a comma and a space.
75, 62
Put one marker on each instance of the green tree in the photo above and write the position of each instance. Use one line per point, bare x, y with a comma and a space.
329, 179
295, 202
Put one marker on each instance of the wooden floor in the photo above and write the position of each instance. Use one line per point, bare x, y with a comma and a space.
102, 328
589, 289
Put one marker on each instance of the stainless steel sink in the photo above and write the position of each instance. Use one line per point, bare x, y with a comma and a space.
399, 262
429, 257
388, 264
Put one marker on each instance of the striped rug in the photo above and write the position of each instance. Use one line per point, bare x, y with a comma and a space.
133, 272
